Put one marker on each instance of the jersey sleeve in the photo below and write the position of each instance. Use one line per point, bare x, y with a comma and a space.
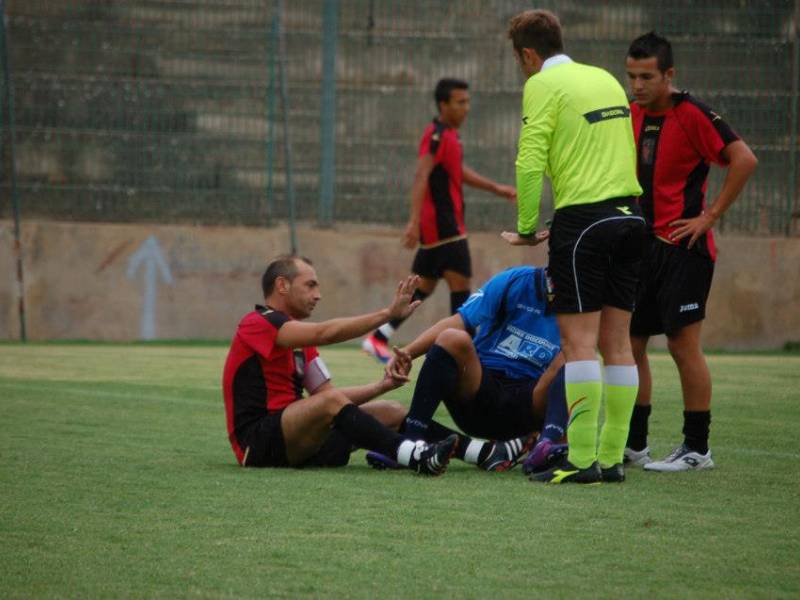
709, 133
434, 142
259, 330
539, 118
483, 305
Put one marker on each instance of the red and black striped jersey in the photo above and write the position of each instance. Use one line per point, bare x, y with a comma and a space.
442, 217
260, 377
675, 149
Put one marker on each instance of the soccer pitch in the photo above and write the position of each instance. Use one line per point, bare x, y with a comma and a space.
117, 480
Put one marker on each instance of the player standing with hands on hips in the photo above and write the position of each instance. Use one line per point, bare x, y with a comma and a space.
436, 219
576, 128
677, 139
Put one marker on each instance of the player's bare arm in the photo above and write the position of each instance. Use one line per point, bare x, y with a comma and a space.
473, 179
425, 165
360, 394
741, 165
295, 334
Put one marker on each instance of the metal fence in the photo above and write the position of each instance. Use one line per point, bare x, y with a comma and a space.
252, 112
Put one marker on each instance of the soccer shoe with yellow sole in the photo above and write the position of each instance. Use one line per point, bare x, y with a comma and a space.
613, 474
505, 455
636, 458
566, 472
682, 458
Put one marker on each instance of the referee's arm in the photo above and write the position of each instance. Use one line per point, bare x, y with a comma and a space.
535, 137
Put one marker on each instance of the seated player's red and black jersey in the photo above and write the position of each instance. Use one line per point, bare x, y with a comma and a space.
674, 152
260, 377
442, 217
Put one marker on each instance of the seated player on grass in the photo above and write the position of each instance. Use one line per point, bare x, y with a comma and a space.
273, 356
501, 385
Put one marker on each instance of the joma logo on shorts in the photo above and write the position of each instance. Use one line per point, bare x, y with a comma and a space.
688, 307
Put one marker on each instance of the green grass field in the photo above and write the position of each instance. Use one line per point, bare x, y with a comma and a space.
116, 480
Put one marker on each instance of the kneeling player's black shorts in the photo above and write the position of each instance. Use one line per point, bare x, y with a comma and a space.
452, 256
502, 408
265, 447
595, 255
673, 289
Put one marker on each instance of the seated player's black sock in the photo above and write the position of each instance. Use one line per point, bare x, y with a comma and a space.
438, 378
555, 416
477, 450
695, 430
365, 431
457, 299
384, 332
637, 434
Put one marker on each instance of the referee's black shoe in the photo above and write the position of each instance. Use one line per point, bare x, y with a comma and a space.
566, 472
613, 474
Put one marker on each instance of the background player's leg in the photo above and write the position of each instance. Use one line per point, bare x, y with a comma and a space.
637, 451
459, 288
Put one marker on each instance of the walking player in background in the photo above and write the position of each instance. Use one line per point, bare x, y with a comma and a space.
273, 356
436, 218
677, 139
576, 128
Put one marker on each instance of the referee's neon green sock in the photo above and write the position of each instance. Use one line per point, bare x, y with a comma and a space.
620, 386
584, 392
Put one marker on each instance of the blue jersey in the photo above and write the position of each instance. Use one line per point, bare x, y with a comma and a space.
515, 335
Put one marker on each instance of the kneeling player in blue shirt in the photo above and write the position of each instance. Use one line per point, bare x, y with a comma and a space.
503, 384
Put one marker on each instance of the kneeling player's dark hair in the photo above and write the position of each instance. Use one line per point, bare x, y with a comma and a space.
652, 45
445, 87
283, 266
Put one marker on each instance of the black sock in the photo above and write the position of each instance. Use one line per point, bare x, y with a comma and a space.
365, 431
695, 430
637, 434
457, 299
436, 432
394, 324
437, 378
555, 416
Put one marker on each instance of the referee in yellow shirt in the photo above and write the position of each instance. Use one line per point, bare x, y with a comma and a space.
576, 129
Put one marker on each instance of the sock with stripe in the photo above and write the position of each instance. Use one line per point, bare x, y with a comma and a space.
555, 416
437, 379
384, 332
620, 384
584, 389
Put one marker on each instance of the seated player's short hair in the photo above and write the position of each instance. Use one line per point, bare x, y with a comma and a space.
445, 86
283, 266
652, 45
539, 30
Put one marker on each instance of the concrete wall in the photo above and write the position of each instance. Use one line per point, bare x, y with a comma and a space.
128, 282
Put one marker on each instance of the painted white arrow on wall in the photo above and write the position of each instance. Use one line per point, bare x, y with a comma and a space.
149, 254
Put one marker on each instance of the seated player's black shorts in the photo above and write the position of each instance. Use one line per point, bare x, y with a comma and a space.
595, 255
673, 289
265, 447
502, 408
452, 256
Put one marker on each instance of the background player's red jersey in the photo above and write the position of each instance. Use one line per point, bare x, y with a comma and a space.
674, 152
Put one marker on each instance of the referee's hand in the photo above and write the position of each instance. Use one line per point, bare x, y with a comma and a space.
515, 239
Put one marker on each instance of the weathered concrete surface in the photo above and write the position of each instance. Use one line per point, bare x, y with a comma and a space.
78, 285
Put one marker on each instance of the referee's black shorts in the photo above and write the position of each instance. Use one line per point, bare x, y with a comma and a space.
502, 408
673, 289
595, 255
451, 256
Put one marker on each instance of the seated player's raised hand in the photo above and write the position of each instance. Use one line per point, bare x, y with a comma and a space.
516, 239
403, 306
399, 366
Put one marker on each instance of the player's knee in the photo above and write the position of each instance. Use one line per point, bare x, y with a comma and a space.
333, 401
455, 341
683, 351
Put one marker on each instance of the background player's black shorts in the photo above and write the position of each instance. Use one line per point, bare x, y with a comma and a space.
595, 255
673, 289
502, 408
452, 256
267, 447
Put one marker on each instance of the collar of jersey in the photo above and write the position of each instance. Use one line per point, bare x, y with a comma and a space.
554, 61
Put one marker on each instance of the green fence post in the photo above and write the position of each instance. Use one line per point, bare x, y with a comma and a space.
328, 114
287, 146
794, 139
8, 94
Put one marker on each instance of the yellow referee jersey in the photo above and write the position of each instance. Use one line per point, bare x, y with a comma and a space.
576, 128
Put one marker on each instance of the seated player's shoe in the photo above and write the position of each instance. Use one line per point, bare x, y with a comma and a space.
432, 459
566, 472
636, 458
376, 348
506, 454
613, 474
682, 459
381, 462
544, 455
